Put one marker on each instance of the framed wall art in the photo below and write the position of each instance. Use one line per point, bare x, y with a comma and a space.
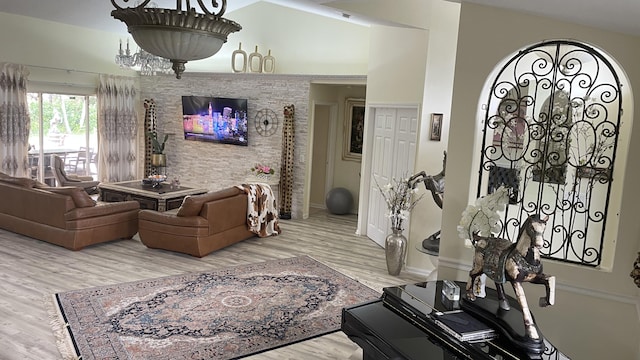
436, 127
353, 129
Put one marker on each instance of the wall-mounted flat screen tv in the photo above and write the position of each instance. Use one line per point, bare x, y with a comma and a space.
215, 119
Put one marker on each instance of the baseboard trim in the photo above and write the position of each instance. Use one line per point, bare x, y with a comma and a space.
419, 271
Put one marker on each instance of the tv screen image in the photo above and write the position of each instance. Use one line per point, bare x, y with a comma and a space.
215, 119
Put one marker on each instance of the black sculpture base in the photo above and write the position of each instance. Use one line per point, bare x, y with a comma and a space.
431, 245
509, 323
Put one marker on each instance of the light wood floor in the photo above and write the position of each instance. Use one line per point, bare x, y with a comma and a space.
31, 269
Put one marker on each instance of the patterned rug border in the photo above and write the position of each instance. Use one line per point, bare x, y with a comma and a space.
61, 329
65, 340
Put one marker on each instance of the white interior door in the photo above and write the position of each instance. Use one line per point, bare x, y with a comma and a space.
393, 155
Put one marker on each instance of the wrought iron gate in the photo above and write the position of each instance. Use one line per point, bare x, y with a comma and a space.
550, 135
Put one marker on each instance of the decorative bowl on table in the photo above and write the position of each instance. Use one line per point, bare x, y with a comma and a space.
157, 180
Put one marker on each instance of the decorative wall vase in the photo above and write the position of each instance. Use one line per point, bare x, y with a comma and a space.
395, 247
234, 61
269, 64
255, 61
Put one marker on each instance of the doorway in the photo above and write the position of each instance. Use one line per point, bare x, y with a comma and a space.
392, 153
328, 167
324, 123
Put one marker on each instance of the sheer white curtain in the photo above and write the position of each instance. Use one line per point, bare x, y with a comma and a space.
14, 119
117, 128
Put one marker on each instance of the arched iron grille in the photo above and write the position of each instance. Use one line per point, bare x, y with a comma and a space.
550, 135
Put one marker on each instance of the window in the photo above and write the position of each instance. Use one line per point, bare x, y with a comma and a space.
66, 126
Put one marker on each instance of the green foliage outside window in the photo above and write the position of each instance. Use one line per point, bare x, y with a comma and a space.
56, 106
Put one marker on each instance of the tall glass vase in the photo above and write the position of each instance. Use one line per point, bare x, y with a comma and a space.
395, 247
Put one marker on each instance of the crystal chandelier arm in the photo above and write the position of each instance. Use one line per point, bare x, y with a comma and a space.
142, 4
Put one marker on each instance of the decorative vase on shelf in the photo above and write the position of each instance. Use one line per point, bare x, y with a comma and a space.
395, 247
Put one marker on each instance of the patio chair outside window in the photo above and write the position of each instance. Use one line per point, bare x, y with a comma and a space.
62, 179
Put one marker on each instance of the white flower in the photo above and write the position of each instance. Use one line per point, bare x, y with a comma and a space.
483, 218
398, 196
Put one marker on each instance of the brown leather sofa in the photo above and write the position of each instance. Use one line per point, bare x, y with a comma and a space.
65, 216
203, 223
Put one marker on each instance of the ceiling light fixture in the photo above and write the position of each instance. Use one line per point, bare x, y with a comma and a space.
177, 35
149, 64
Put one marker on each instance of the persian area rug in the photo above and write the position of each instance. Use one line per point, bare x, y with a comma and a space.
221, 314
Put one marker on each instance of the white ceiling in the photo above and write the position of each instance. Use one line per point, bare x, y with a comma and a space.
616, 15
96, 14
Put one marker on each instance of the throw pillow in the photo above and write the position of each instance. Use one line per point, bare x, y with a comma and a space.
192, 205
79, 196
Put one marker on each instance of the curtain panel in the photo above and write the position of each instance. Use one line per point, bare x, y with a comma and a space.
117, 128
14, 119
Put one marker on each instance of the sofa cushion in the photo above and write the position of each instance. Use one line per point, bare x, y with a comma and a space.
79, 196
192, 205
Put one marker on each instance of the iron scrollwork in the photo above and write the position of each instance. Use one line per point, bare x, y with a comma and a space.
551, 131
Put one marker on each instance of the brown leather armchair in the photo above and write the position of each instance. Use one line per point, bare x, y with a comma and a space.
62, 179
204, 223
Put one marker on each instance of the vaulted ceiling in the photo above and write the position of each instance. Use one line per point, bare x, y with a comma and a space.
616, 15
96, 14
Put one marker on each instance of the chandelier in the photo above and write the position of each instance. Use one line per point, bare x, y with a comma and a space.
178, 35
149, 64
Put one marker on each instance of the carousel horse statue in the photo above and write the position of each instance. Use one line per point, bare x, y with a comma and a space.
502, 261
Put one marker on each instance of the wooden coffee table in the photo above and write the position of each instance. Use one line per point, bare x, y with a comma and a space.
163, 198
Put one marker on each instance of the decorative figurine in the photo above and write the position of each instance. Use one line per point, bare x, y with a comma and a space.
434, 184
503, 261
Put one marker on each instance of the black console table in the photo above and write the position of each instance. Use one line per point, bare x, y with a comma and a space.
384, 332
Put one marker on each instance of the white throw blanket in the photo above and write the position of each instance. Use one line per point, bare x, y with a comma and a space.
262, 212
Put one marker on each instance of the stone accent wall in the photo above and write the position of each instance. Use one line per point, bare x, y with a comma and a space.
217, 166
